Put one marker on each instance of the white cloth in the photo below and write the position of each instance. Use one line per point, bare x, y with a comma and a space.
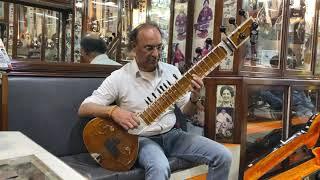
129, 89
103, 59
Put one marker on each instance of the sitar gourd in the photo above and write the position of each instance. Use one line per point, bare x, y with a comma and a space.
115, 148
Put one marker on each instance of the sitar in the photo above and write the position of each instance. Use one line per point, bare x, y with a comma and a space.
115, 148
308, 136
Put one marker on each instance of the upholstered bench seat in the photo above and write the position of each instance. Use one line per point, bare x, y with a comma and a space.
84, 164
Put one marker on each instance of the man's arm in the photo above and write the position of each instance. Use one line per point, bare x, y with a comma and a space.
94, 110
191, 107
126, 119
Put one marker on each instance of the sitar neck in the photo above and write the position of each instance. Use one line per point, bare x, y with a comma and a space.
202, 68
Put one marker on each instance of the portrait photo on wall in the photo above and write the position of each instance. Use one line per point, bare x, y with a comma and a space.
225, 95
224, 124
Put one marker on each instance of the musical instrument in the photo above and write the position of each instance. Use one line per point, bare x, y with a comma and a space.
308, 136
114, 148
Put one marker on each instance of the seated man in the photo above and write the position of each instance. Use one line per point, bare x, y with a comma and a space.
130, 86
93, 50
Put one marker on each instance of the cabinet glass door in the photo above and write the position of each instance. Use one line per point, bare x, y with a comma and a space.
265, 53
300, 34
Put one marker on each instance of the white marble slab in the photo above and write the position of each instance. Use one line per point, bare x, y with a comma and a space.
15, 144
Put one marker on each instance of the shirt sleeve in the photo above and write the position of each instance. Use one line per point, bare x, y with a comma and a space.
107, 92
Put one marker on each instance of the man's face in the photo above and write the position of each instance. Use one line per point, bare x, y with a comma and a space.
148, 49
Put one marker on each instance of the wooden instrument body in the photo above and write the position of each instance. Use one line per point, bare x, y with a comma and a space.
308, 139
110, 145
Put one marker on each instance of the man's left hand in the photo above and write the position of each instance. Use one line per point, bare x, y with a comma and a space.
196, 85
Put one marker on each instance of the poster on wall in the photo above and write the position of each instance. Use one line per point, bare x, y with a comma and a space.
202, 29
229, 10
225, 112
179, 34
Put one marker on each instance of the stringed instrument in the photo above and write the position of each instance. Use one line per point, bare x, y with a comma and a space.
116, 149
308, 137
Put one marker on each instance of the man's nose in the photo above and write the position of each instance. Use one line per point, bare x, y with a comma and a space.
155, 52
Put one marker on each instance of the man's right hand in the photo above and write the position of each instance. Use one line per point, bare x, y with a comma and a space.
126, 119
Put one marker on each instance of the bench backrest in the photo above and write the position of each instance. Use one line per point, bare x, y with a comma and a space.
45, 109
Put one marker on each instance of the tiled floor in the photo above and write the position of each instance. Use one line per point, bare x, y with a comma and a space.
200, 172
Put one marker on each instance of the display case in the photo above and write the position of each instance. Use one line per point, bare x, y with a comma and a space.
270, 88
36, 31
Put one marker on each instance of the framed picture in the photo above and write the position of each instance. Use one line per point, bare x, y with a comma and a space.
224, 117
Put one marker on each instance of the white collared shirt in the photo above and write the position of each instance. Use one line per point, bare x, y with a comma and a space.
129, 89
103, 59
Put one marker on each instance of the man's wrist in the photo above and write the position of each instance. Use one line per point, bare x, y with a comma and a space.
194, 101
110, 110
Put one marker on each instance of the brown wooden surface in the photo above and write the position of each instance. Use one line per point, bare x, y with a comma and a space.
303, 170
38, 68
98, 132
274, 158
57, 5
4, 103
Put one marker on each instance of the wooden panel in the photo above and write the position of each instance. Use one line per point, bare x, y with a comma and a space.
58, 5
61, 69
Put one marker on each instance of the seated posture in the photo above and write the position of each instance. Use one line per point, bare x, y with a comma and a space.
93, 50
138, 82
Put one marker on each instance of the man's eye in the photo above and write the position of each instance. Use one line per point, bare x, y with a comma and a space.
149, 48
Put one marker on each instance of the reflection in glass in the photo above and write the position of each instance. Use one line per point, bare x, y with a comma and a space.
303, 105
264, 121
300, 34
77, 31
265, 53
317, 68
229, 10
160, 14
52, 45
11, 17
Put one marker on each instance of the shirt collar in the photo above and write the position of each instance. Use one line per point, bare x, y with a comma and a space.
136, 71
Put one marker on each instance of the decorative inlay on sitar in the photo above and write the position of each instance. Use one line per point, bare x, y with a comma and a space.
116, 149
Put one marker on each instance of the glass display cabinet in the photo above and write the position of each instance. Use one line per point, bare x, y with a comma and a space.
36, 33
270, 88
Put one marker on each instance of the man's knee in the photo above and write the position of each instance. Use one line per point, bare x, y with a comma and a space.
225, 157
159, 171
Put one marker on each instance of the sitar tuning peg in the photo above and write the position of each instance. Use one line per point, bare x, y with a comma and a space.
242, 13
232, 21
154, 95
255, 26
169, 83
223, 29
147, 102
165, 85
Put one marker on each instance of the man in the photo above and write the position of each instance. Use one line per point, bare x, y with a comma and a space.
93, 50
130, 86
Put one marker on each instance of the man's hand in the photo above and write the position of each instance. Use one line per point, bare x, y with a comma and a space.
126, 119
196, 85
